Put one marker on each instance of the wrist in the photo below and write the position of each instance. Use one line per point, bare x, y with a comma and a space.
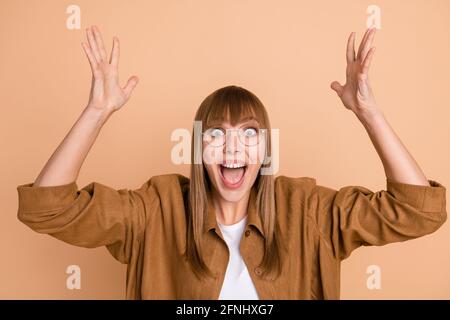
370, 116
100, 116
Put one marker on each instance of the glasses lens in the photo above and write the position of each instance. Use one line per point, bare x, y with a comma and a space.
214, 137
250, 136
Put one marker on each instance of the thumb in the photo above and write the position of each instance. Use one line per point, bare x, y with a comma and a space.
131, 83
336, 86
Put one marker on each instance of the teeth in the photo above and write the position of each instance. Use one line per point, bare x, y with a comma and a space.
233, 165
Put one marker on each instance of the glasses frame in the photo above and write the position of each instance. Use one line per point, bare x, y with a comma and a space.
240, 136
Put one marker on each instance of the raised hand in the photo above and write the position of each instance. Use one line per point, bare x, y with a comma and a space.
356, 94
106, 93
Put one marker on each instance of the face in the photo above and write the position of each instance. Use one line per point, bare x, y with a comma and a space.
232, 156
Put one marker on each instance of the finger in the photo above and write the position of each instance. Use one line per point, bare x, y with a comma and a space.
362, 43
90, 56
367, 60
93, 45
99, 42
368, 44
351, 48
131, 84
115, 52
336, 86
362, 85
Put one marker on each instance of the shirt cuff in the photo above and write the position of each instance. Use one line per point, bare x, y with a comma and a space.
430, 198
45, 198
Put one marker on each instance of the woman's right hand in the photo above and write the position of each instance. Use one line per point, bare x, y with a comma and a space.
106, 93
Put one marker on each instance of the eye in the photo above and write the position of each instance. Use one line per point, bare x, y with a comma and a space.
250, 132
215, 132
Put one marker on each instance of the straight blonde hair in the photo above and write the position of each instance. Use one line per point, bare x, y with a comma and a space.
231, 103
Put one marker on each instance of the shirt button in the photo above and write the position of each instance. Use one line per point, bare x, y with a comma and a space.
247, 233
258, 271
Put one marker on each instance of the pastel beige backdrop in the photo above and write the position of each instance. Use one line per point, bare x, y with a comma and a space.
286, 52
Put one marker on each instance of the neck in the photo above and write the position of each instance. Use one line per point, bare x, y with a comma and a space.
230, 212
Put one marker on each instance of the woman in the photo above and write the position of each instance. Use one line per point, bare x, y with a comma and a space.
231, 231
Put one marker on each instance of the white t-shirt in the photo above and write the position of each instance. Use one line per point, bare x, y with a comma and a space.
237, 283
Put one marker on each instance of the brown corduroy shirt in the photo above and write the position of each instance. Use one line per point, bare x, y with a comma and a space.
146, 229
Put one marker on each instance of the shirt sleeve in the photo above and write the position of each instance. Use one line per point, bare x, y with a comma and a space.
355, 216
96, 215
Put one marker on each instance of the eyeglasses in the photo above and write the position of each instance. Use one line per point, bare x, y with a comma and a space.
217, 136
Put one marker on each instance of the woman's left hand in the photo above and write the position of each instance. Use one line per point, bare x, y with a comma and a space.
356, 94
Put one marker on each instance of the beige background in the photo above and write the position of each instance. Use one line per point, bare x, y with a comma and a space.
286, 52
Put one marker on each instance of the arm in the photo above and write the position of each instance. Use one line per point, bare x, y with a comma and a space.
105, 98
357, 96
352, 216
95, 215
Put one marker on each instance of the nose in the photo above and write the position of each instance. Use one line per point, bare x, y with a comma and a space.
232, 142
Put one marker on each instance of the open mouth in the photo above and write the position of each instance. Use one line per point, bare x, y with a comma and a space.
233, 174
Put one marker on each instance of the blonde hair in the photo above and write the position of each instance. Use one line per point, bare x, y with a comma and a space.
232, 104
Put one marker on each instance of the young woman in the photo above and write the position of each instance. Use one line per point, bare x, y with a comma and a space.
230, 231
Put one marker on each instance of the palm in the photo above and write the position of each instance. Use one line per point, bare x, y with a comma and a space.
356, 94
106, 93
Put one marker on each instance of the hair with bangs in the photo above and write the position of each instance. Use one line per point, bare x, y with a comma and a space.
232, 104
